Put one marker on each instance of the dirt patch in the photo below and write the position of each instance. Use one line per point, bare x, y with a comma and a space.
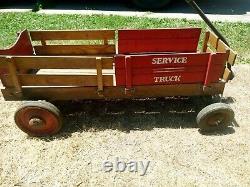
162, 131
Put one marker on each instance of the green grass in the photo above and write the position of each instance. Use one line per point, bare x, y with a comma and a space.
237, 34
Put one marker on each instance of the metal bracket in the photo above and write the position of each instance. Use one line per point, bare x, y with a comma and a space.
129, 91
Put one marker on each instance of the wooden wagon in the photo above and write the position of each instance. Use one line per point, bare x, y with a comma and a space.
109, 64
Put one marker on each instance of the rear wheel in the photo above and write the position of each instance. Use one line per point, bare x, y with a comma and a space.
38, 118
151, 4
215, 117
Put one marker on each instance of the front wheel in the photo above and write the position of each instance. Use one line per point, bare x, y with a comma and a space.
151, 4
215, 117
38, 118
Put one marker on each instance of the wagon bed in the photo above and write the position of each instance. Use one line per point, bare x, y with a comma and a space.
97, 64
109, 64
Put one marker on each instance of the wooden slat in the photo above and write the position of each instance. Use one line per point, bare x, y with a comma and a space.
74, 72
213, 40
13, 78
222, 47
232, 57
205, 42
73, 35
61, 62
209, 50
3, 62
99, 74
116, 92
74, 49
59, 80
227, 74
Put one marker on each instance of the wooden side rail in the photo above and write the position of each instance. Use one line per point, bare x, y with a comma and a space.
72, 35
77, 72
57, 62
67, 49
213, 44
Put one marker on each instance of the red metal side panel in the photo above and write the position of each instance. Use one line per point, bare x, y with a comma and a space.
162, 69
158, 40
216, 66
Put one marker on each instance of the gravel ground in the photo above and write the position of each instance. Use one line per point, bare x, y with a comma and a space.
161, 131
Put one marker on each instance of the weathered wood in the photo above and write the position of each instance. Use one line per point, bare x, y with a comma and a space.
43, 42
72, 35
99, 74
227, 74
74, 72
205, 41
232, 57
57, 80
59, 62
213, 40
222, 47
3, 62
13, 76
74, 49
209, 50
77, 93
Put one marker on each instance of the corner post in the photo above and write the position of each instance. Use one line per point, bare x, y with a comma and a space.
14, 76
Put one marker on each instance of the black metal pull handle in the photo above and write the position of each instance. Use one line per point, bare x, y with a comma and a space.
193, 4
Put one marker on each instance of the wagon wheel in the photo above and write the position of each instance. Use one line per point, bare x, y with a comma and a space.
38, 118
215, 117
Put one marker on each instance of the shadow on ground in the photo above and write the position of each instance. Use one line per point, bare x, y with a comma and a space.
136, 115
228, 7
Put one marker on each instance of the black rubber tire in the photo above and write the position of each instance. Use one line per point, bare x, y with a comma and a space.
221, 112
39, 105
232, 75
151, 4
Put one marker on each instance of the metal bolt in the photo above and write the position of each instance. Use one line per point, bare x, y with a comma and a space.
36, 122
